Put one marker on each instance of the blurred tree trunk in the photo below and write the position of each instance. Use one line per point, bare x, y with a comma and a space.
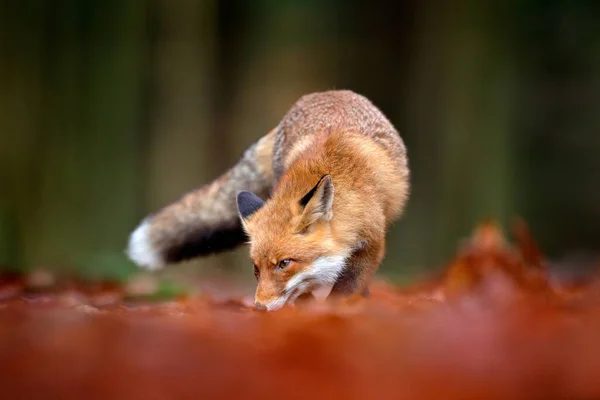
73, 124
21, 72
558, 190
461, 160
180, 149
264, 73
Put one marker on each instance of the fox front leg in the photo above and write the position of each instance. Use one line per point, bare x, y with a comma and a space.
359, 271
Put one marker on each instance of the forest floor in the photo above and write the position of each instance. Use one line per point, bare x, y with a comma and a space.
493, 325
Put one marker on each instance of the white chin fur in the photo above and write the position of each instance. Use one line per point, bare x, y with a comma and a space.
140, 249
277, 304
323, 273
319, 293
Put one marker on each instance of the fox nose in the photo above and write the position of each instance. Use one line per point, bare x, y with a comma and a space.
259, 307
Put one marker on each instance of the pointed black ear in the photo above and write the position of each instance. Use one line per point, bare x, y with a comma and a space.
248, 203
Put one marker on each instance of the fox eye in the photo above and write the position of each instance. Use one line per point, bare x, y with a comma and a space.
284, 263
256, 272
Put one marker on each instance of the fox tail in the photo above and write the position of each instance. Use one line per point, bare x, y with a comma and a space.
203, 221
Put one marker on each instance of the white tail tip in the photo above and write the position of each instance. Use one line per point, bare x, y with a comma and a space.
140, 249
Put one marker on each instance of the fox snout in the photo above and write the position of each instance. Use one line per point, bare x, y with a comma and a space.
270, 299
270, 296
268, 303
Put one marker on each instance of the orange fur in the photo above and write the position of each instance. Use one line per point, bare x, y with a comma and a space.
371, 187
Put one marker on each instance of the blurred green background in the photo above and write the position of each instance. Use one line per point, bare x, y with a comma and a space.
111, 109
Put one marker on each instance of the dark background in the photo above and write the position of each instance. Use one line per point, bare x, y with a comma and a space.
110, 109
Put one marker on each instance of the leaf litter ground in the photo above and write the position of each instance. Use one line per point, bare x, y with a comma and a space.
493, 325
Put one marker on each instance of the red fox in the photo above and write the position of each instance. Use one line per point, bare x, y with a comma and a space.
315, 197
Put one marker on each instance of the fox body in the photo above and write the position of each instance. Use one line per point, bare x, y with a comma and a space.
315, 197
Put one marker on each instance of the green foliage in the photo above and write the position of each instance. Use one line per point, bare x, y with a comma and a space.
106, 266
165, 291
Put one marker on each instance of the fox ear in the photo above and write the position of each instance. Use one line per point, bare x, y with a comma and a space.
248, 203
317, 204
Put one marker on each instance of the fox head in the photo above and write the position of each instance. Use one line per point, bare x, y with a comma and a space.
292, 245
